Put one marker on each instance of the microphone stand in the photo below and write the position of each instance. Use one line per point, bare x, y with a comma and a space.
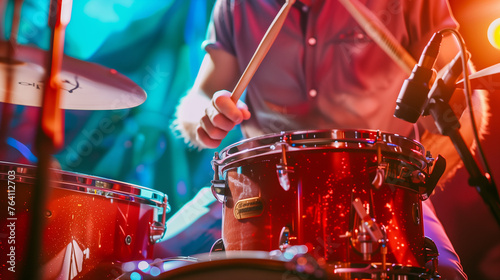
448, 124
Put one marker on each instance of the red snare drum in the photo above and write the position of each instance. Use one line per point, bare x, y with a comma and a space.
92, 224
298, 188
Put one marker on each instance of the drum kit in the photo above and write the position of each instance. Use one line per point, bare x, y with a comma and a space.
319, 204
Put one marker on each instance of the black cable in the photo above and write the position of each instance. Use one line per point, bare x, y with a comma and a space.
468, 97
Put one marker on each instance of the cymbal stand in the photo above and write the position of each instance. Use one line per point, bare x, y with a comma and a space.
49, 136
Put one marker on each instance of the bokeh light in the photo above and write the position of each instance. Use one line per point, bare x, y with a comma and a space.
144, 266
135, 276
494, 33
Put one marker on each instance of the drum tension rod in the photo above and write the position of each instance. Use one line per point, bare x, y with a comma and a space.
282, 168
382, 166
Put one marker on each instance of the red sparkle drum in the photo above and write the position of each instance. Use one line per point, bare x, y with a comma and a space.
92, 224
300, 188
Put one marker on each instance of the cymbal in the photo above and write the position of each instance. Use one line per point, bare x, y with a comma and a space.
487, 78
85, 85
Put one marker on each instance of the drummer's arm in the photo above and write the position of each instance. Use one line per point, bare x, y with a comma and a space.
438, 144
219, 71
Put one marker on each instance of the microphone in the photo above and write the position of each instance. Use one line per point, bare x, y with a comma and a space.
413, 94
441, 93
444, 87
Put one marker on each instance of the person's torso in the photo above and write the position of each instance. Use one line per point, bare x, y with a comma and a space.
323, 71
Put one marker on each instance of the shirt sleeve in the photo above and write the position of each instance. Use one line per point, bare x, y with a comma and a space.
220, 29
424, 18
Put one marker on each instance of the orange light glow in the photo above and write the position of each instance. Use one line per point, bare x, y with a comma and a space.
494, 33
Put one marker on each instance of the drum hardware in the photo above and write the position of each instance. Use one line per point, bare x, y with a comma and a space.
128, 239
439, 166
418, 177
157, 230
369, 232
218, 246
431, 255
282, 169
380, 174
218, 186
415, 210
103, 185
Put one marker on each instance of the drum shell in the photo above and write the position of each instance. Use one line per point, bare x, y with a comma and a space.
88, 230
317, 207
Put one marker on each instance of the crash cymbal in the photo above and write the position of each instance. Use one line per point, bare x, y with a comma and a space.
488, 78
85, 85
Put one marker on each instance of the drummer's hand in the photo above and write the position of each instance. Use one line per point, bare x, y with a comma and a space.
220, 117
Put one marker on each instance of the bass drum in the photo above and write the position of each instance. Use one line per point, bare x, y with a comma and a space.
92, 224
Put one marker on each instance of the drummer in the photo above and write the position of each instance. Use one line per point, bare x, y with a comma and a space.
322, 72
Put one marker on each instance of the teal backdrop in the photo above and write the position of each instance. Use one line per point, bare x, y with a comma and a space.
157, 44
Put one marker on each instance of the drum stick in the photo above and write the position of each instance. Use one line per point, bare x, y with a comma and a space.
49, 136
380, 34
261, 51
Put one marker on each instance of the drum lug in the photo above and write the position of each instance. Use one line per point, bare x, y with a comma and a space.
382, 166
219, 189
282, 170
157, 229
218, 186
379, 179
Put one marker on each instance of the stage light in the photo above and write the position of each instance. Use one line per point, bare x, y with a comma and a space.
494, 33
